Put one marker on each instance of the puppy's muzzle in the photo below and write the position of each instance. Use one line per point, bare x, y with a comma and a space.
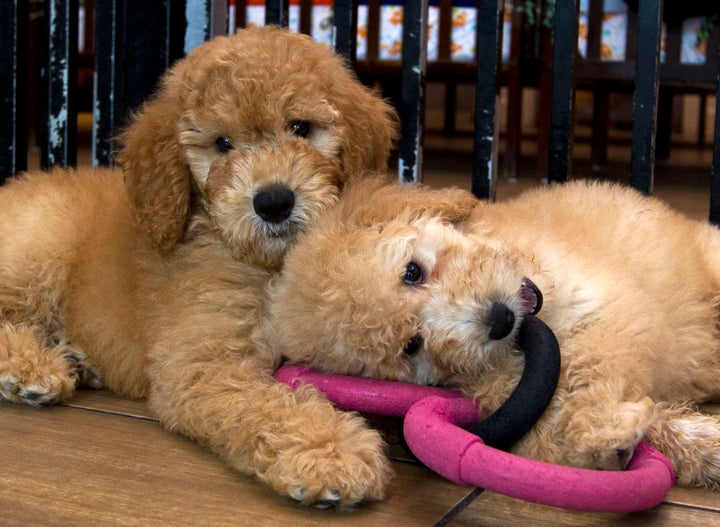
501, 318
274, 204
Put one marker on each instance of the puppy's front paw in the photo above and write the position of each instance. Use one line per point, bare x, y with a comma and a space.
87, 374
609, 443
35, 391
615, 456
337, 467
30, 373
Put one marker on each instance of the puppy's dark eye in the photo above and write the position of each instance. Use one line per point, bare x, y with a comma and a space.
413, 345
414, 274
300, 128
223, 145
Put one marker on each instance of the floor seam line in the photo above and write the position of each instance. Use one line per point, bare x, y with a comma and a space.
459, 507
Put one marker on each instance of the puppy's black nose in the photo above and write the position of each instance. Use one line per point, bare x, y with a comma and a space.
274, 204
502, 321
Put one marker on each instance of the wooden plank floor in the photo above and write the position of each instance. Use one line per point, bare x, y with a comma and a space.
101, 460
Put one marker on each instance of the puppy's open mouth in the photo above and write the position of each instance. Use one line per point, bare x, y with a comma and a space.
531, 296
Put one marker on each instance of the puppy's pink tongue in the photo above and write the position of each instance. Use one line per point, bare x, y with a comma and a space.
532, 298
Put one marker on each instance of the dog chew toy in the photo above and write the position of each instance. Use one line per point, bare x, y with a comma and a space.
506, 425
445, 432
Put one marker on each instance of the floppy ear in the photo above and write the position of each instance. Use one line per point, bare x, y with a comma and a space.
374, 200
157, 180
372, 126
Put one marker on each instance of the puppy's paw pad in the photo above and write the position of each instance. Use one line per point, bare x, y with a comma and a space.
341, 472
326, 500
332, 498
329, 485
46, 391
613, 459
605, 439
610, 448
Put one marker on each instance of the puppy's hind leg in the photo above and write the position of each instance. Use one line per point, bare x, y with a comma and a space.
32, 370
691, 441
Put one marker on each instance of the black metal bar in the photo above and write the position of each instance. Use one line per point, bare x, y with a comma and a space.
645, 97
594, 30
715, 170
305, 16
414, 64
13, 87
135, 41
563, 91
345, 36
277, 12
106, 91
59, 146
205, 19
485, 143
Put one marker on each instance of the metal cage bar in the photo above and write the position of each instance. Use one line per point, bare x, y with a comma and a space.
414, 65
106, 81
130, 56
345, 32
486, 138
58, 145
13, 87
277, 12
714, 215
205, 19
645, 97
563, 91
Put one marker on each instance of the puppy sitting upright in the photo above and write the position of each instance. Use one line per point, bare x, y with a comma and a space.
631, 290
159, 280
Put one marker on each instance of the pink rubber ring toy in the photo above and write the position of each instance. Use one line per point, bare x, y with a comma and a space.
434, 418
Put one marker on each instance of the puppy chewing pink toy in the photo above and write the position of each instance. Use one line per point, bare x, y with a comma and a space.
445, 431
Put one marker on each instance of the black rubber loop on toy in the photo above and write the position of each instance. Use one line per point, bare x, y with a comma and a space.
506, 425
